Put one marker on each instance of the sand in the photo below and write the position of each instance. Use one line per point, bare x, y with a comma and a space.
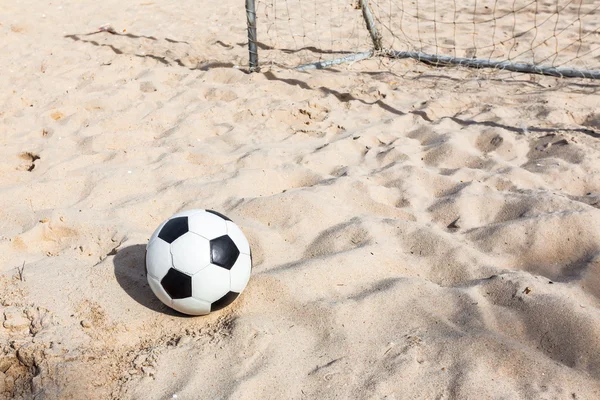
417, 233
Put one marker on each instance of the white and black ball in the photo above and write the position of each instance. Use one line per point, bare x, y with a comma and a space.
198, 261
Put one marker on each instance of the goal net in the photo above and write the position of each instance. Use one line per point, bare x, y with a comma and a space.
545, 36
295, 32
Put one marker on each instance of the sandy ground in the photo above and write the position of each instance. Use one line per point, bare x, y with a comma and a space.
417, 233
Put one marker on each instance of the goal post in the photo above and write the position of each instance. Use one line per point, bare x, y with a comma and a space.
370, 23
252, 39
559, 38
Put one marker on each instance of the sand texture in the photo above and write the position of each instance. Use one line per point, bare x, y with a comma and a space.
417, 233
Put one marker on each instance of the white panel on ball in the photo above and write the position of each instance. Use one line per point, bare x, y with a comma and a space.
186, 213
240, 273
191, 253
211, 283
238, 237
208, 225
159, 291
191, 306
158, 258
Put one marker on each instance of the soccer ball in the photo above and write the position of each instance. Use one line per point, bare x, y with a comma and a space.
198, 261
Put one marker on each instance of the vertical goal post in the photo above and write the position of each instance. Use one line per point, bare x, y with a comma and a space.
252, 39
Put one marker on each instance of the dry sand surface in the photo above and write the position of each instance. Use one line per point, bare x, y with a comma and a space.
417, 233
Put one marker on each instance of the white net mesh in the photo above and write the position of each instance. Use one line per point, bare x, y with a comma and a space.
293, 32
556, 33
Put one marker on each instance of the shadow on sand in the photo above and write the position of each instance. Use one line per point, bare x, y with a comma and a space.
130, 272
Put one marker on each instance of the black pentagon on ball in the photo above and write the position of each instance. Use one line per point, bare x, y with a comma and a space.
224, 301
218, 214
177, 284
223, 252
173, 229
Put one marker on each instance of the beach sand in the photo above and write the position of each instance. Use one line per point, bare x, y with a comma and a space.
417, 233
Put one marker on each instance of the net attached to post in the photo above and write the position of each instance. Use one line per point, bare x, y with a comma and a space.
557, 38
